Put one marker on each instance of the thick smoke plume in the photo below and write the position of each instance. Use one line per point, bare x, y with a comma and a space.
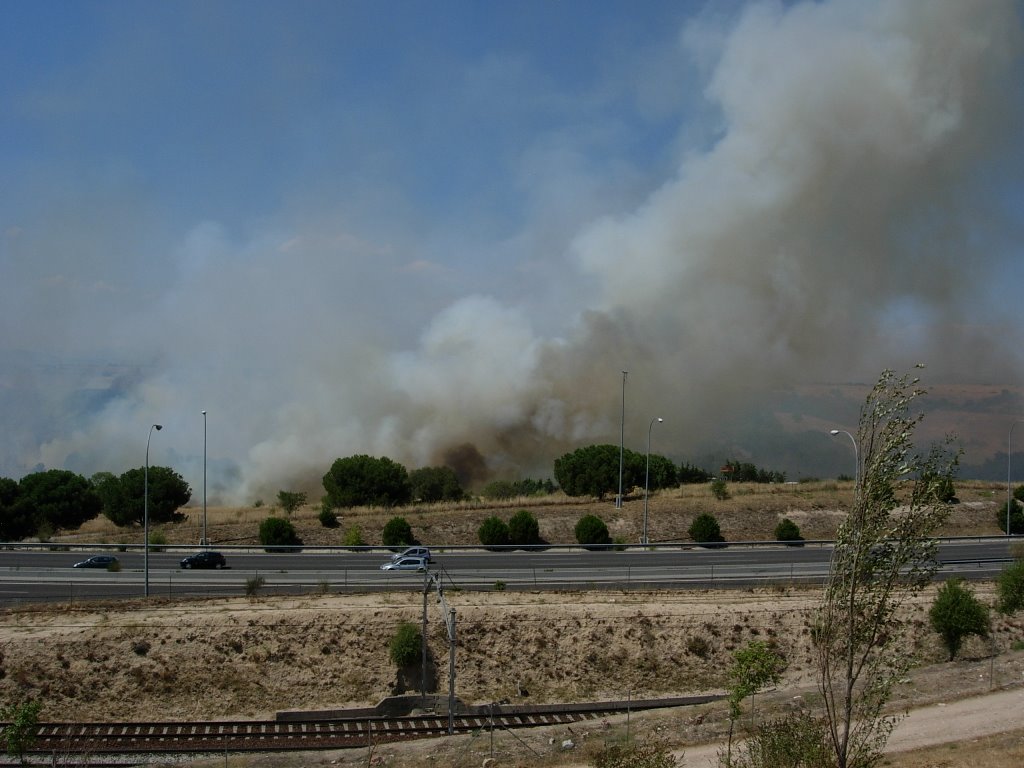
839, 221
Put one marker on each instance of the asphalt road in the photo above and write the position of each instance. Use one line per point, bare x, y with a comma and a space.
28, 576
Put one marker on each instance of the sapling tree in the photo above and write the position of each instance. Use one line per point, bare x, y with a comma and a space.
22, 718
880, 559
755, 666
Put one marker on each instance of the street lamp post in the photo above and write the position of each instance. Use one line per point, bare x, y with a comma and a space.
622, 432
856, 458
647, 473
1008, 497
205, 541
145, 509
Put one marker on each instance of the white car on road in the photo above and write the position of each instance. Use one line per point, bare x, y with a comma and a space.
406, 564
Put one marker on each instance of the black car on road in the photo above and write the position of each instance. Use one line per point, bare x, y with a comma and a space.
206, 559
97, 561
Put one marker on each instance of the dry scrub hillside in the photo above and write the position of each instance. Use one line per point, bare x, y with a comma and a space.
237, 658
750, 514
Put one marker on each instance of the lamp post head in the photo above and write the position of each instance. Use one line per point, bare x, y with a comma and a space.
204, 413
660, 419
834, 432
158, 427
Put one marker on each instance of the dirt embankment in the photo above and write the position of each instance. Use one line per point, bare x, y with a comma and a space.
237, 658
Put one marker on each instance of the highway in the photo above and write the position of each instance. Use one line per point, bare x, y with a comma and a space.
31, 575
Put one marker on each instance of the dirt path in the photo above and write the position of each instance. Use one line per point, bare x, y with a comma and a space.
957, 721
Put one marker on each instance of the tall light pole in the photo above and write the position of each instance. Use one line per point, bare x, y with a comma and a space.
622, 433
647, 473
856, 459
145, 508
1008, 497
205, 541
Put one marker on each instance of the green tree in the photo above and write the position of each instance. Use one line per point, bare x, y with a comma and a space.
397, 533
1010, 588
663, 473
22, 718
755, 666
290, 501
693, 475
510, 489
493, 532
594, 471
278, 532
591, 532
433, 484
499, 489
124, 497
59, 498
367, 481
1016, 516
745, 472
16, 520
879, 560
406, 646
705, 529
523, 529
956, 614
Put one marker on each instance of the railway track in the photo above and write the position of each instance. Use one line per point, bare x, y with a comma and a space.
273, 735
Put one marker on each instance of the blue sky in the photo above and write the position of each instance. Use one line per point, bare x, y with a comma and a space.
399, 227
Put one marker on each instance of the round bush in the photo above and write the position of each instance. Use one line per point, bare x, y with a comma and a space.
1010, 588
354, 537
278, 532
397, 533
523, 529
493, 532
328, 518
591, 530
406, 647
705, 529
787, 530
1016, 517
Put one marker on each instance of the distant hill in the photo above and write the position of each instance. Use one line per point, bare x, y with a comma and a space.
789, 430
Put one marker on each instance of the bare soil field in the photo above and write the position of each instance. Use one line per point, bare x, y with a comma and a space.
243, 658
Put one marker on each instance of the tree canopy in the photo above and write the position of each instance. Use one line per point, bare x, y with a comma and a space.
956, 614
58, 498
430, 484
367, 481
593, 471
124, 497
16, 521
880, 558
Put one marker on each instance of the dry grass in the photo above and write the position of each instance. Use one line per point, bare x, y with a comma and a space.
236, 658
749, 514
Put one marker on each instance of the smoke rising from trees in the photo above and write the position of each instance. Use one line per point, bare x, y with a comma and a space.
842, 214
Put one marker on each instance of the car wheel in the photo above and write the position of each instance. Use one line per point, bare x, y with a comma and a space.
186, 566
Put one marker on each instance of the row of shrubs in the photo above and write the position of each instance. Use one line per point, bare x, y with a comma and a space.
521, 530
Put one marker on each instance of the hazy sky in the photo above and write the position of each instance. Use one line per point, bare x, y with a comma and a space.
406, 228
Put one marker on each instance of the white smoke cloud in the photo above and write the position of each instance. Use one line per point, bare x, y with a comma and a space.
835, 208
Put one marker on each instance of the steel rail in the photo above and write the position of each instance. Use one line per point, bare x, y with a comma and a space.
282, 735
